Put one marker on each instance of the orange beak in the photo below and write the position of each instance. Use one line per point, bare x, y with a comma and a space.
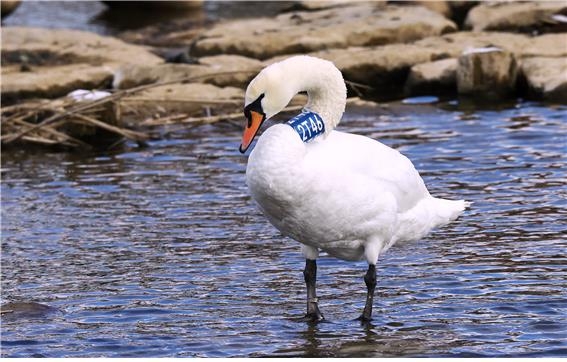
254, 122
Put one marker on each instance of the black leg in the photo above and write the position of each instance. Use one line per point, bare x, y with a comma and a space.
370, 280
310, 275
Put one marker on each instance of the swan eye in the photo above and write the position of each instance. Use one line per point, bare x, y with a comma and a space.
255, 106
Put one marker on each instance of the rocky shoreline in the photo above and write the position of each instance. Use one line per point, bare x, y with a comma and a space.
386, 50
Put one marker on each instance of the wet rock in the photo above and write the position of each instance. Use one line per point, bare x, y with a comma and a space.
52, 62
156, 5
546, 77
362, 24
312, 5
487, 73
208, 69
433, 78
190, 98
24, 310
514, 15
460, 10
8, 6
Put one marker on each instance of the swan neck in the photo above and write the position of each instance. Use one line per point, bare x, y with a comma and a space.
326, 93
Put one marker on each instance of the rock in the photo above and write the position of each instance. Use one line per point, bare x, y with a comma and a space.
133, 75
384, 68
548, 45
514, 15
61, 46
487, 73
25, 310
453, 45
433, 78
390, 68
546, 77
52, 62
377, 71
460, 10
189, 98
521, 45
231, 63
441, 7
363, 24
52, 81
156, 5
8, 6
312, 5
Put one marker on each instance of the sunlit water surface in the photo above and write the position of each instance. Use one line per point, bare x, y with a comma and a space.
161, 252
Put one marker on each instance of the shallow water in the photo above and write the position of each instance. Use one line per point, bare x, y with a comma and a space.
160, 252
97, 17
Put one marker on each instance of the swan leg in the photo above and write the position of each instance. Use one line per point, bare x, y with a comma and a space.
310, 276
370, 281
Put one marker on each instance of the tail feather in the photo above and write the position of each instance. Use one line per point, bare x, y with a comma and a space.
449, 210
430, 213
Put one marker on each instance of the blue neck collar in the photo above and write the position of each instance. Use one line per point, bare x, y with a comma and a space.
308, 125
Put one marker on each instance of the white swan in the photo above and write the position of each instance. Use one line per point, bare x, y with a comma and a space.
346, 194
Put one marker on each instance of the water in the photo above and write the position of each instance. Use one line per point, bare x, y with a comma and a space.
94, 16
160, 251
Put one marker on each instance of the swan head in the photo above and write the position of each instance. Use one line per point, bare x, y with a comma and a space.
266, 95
274, 87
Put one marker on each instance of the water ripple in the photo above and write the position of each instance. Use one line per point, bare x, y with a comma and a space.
160, 252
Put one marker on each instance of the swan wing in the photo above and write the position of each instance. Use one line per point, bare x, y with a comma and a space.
348, 157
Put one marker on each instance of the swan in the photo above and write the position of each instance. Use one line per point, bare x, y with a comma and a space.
342, 193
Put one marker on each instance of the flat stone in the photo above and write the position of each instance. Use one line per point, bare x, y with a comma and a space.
453, 45
546, 77
432, 78
189, 98
214, 70
53, 81
56, 46
364, 24
547, 45
521, 45
50, 63
441, 7
245, 69
312, 5
514, 15
389, 69
380, 67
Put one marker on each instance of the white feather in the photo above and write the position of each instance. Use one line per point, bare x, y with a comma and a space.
343, 193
